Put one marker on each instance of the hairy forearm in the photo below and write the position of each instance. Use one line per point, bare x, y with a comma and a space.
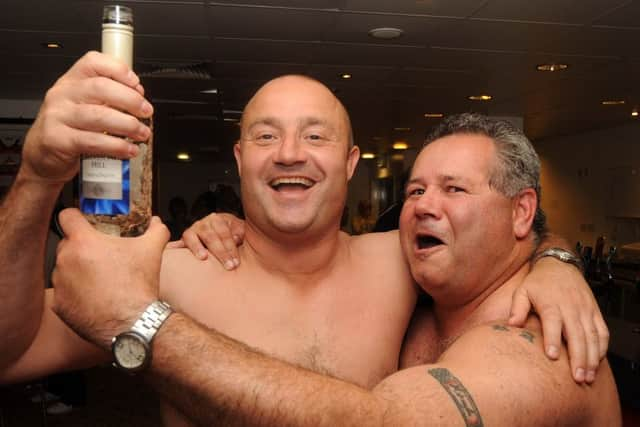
24, 221
218, 381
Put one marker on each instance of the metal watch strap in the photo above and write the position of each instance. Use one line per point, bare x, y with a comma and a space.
561, 255
151, 319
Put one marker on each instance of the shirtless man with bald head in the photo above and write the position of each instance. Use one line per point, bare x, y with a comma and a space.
305, 292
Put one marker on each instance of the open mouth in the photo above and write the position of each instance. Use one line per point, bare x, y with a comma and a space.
293, 183
426, 242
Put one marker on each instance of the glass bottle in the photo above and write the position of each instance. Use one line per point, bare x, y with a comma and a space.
115, 194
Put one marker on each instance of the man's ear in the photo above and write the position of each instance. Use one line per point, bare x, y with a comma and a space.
237, 153
524, 211
352, 161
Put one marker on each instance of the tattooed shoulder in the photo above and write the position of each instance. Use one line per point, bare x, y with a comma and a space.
522, 333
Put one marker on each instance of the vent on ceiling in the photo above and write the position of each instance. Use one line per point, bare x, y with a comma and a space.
198, 71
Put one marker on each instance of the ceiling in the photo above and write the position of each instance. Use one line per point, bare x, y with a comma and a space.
450, 49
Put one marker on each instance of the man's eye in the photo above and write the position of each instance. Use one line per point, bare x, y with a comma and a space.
266, 137
314, 137
415, 192
454, 189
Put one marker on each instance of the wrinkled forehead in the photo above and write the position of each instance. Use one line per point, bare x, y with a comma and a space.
463, 155
295, 100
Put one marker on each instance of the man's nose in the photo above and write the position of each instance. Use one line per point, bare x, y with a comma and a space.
290, 151
429, 204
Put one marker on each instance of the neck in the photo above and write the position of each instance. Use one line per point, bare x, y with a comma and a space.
296, 257
491, 302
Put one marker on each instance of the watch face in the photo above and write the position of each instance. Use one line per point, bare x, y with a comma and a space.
130, 351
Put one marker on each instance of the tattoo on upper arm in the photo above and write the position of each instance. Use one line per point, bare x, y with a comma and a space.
500, 328
460, 396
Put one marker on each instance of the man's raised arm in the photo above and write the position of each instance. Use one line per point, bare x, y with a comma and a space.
74, 119
24, 221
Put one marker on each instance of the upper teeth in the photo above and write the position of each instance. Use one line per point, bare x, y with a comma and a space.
292, 180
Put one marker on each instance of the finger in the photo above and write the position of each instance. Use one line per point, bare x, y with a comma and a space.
94, 64
603, 334
192, 242
551, 320
74, 224
176, 244
100, 118
593, 348
100, 144
520, 307
215, 246
222, 243
101, 90
577, 343
237, 229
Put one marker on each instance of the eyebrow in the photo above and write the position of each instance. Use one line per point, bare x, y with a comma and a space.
268, 121
313, 121
443, 178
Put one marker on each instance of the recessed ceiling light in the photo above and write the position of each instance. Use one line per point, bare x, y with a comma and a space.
551, 67
613, 102
480, 97
402, 129
386, 33
368, 156
400, 145
52, 45
211, 91
634, 113
433, 115
345, 76
184, 157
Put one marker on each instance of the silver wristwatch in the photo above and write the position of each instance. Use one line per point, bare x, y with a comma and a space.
132, 349
561, 255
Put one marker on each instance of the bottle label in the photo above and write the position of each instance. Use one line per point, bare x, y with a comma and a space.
105, 186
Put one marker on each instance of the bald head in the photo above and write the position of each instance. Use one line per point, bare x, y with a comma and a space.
296, 93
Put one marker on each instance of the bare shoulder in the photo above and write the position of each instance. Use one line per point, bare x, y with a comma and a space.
385, 243
380, 256
514, 358
380, 249
498, 375
182, 272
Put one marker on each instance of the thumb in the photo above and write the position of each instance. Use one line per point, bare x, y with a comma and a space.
520, 307
157, 234
73, 223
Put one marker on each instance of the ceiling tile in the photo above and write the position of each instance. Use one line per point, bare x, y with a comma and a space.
294, 4
556, 11
459, 8
627, 16
268, 23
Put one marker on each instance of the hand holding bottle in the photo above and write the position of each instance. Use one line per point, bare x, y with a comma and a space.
97, 98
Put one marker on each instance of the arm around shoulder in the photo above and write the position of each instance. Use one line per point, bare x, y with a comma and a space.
54, 348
